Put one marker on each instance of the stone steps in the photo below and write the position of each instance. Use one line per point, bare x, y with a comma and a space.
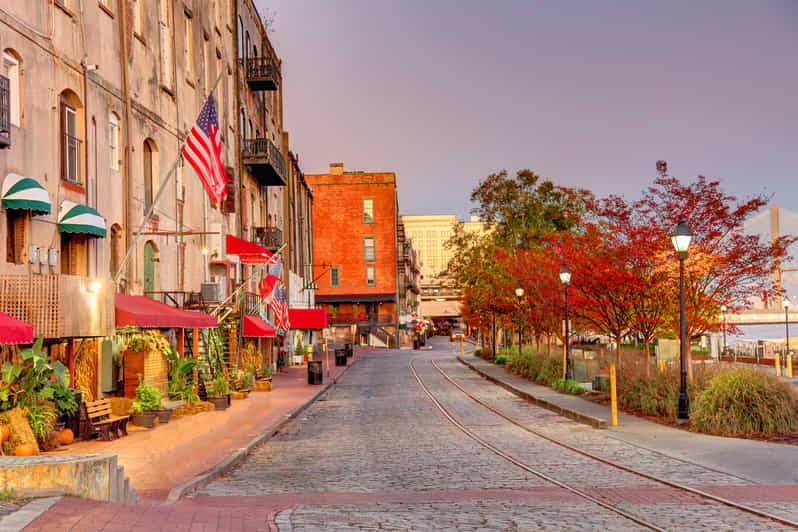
121, 490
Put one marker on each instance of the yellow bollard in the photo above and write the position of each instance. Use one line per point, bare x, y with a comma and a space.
462, 347
777, 364
789, 366
661, 365
613, 397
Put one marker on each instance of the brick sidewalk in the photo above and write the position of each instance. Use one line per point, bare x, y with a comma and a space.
159, 459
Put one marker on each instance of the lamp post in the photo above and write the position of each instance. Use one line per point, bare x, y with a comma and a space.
519, 293
723, 316
565, 277
681, 238
786, 304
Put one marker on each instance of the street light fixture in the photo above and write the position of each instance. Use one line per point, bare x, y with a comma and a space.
723, 316
786, 304
519, 293
565, 278
681, 238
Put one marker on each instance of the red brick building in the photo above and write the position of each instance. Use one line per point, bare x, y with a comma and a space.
355, 217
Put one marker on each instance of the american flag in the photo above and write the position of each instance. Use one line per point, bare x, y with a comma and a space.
268, 284
279, 305
203, 149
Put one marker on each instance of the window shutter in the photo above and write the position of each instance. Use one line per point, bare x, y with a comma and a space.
166, 56
20, 238
62, 138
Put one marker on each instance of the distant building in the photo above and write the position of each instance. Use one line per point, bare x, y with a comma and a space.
355, 253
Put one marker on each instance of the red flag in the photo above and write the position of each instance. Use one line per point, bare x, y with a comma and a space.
203, 149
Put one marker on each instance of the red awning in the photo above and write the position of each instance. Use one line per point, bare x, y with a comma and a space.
144, 312
248, 253
307, 318
13, 331
256, 327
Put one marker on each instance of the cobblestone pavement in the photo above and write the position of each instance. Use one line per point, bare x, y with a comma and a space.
376, 453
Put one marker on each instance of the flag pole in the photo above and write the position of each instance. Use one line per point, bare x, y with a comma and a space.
151, 208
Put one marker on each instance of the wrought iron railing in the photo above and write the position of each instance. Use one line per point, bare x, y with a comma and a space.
268, 237
262, 68
262, 147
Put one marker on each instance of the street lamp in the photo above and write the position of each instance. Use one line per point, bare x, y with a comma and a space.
565, 277
519, 293
723, 316
681, 238
786, 304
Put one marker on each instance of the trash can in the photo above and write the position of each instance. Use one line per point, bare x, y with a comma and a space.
314, 372
415, 343
349, 350
340, 357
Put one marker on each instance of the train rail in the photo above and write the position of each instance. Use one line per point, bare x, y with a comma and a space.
642, 521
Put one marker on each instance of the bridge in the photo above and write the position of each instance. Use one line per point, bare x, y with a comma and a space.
761, 317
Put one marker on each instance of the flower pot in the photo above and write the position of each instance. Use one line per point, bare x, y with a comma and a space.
164, 415
219, 403
145, 419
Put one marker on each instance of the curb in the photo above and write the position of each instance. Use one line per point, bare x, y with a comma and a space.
27, 514
594, 422
237, 456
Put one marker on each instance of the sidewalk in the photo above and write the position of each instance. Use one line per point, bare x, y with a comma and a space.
158, 460
756, 461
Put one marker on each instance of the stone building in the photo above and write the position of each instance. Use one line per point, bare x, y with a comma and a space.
355, 221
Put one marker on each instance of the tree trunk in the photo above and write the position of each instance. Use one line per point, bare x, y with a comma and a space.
618, 352
648, 360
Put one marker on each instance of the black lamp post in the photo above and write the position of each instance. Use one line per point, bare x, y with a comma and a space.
681, 238
723, 315
565, 277
519, 293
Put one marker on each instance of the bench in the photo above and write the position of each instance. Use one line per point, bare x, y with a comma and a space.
259, 376
100, 420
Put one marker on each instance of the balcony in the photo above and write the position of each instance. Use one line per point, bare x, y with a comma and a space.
265, 161
269, 237
361, 318
5, 113
59, 306
262, 73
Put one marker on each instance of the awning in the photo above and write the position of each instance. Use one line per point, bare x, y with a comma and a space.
24, 193
307, 318
13, 331
76, 218
257, 328
144, 312
248, 253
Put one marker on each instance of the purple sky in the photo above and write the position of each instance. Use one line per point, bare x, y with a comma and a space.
589, 93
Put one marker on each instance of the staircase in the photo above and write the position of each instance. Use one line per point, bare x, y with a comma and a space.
120, 489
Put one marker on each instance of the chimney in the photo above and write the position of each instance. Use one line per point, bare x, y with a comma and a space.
337, 168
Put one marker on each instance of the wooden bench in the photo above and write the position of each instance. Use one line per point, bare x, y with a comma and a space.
259, 376
100, 420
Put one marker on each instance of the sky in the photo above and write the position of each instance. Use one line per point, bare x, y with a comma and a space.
588, 93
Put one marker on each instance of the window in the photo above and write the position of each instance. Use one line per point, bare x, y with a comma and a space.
150, 170
116, 248
240, 38
16, 241
74, 254
11, 66
137, 18
113, 141
334, 277
368, 211
370, 280
368, 248
206, 63
70, 144
188, 50
164, 22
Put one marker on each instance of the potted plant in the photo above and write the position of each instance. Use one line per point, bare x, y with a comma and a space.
219, 391
143, 409
42, 418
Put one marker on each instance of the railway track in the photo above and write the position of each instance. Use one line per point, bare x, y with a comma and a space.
643, 521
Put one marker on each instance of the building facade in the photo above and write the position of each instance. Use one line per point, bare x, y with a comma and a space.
355, 253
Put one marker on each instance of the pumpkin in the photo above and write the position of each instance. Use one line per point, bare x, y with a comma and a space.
66, 436
5, 433
25, 449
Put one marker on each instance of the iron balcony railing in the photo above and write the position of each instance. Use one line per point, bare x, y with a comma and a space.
265, 161
262, 73
268, 237
5, 113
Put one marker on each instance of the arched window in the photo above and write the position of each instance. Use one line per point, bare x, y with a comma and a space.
113, 140
243, 125
247, 44
150, 171
240, 38
12, 67
151, 260
71, 134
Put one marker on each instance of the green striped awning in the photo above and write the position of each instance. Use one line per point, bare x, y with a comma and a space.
77, 218
24, 193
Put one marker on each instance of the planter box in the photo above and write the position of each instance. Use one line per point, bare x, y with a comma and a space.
238, 395
219, 403
146, 419
164, 415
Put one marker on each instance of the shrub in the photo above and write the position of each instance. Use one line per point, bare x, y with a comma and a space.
745, 401
477, 352
147, 399
486, 353
550, 370
568, 386
42, 418
500, 359
526, 365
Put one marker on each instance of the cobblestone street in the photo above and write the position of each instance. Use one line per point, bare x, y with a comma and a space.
375, 452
